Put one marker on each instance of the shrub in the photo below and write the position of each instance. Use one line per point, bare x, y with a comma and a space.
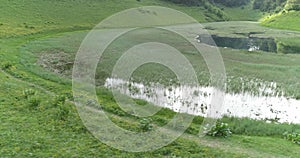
220, 130
145, 124
293, 137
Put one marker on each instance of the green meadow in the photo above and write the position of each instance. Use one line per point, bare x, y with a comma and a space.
39, 119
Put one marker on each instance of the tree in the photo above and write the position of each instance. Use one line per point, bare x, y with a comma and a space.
292, 5
231, 3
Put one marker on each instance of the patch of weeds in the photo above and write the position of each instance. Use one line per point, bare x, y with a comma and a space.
146, 124
34, 101
59, 100
220, 130
7, 66
293, 137
27, 93
62, 109
32, 98
69, 96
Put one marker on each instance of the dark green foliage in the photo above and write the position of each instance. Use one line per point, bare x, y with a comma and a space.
293, 5
228, 3
286, 48
140, 102
220, 130
188, 2
211, 8
231, 3
268, 5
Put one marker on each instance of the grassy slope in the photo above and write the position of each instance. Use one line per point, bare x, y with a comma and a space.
250, 145
245, 13
41, 132
23, 17
290, 21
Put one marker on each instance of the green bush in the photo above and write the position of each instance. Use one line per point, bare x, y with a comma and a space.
293, 137
220, 130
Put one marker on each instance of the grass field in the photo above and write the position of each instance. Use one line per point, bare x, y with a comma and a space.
33, 33
245, 13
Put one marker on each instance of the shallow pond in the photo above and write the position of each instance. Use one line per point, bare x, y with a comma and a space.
197, 101
250, 43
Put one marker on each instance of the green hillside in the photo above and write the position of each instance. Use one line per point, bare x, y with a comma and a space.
19, 17
38, 116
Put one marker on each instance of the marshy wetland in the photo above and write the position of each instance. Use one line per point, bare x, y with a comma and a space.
257, 83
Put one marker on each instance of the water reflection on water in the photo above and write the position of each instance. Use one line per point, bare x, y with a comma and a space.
197, 101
